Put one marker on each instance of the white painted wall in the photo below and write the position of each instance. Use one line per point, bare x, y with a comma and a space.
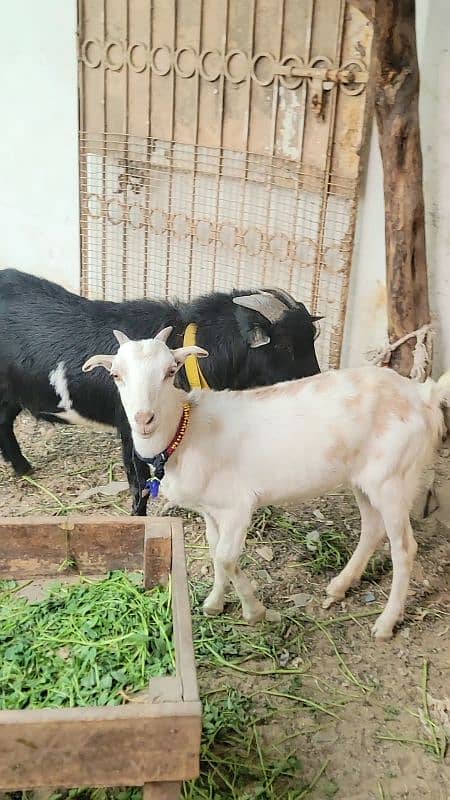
39, 227
366, 323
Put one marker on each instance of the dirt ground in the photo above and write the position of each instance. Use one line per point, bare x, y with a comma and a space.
371, 735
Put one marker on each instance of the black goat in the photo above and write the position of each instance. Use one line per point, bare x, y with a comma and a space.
254, 338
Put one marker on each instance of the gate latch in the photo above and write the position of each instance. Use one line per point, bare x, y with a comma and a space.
322, 76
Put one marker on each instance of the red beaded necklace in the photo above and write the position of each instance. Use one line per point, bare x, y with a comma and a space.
157, 463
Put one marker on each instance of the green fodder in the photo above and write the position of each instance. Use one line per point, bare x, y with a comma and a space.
86, 644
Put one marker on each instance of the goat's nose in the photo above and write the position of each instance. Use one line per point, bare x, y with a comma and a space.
144, 417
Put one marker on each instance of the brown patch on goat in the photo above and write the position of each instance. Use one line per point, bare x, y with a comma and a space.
336, 451
266, 391
401, 406
353, 403
325, 384
290, 387
392, 404
340, 450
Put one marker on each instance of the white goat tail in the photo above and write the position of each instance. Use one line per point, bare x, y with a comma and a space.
444, 387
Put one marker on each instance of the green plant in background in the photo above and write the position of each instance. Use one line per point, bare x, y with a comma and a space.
85, 644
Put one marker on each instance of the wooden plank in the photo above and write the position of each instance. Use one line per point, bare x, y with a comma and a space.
166, 689
162, 791
397, 113
182, 625
157, 551
120, 746
43, 546
31, 547
101, 544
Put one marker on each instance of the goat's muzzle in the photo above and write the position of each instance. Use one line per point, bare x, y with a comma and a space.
144, 420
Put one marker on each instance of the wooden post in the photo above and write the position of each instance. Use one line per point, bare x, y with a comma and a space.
397, 113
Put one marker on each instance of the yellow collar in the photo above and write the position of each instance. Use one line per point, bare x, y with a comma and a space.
194, 374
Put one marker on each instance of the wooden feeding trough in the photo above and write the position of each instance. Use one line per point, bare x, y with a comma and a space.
154, 743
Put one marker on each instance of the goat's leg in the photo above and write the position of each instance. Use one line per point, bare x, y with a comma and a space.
212, 533
372, 534
9, 446
232, 533
214, 603
137, 473
394, 511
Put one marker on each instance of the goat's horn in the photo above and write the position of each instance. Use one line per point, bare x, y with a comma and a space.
163, 335
267, 305
121, 337
283, 296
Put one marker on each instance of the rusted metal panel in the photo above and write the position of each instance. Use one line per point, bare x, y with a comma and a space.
220, 147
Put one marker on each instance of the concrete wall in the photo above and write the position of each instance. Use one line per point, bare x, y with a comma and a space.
366, 323
39, 226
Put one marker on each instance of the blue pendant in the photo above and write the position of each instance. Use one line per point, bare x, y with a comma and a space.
153, 486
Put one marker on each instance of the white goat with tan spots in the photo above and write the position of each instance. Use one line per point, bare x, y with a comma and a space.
367, 428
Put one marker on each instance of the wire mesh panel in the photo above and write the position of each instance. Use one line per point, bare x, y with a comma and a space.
219, 148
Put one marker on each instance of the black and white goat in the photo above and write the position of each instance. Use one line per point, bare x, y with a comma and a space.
236, 450
46, 333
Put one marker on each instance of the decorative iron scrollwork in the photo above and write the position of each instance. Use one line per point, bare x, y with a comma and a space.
252, 240
235, 66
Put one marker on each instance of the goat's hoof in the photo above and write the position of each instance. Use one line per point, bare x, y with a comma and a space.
335, 592
255, 616
331, 599
381, 632
23, 468
212, 611
139, 508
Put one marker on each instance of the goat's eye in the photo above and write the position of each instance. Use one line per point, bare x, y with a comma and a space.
171, 372
115, 376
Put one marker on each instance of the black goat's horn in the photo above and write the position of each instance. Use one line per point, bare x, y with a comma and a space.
264, 303
283, 296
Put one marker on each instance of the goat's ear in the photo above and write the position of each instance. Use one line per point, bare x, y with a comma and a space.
257, 338
121, 337
97, 361
163, 335
180, 355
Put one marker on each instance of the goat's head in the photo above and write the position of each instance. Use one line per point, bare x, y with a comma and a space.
143, 372
283, 323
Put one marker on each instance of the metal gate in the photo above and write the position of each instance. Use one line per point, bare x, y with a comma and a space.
219, 148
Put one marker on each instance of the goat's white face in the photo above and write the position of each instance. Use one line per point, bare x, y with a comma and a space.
143, 372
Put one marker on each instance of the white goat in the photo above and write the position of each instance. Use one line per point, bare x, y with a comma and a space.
367, 428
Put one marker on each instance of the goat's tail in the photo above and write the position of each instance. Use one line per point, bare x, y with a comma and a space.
443, 390
443, 387
436, 393
437, 397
